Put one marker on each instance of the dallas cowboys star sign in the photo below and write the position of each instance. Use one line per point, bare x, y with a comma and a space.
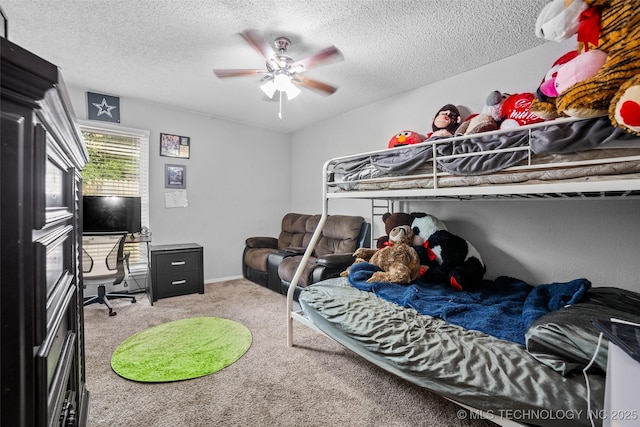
103, 107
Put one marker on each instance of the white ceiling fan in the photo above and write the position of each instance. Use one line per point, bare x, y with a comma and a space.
282, 73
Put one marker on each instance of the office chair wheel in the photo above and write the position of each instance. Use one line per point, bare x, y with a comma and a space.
112, 313
133, 300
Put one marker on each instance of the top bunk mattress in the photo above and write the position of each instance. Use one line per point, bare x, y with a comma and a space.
563, 149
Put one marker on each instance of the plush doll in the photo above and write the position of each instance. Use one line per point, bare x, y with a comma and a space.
626, 106
577, 69
516, 111
406, 137
448, 258
560, 19
423, 226
398, 260
611, 26
546, 89
566, 71
445, 122
489, 118
392, 220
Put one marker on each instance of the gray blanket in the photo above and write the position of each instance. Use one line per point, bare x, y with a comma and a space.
470, 367
563, 137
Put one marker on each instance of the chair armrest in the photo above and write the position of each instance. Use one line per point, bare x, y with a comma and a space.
331, 265
262, 242
273, 262
125, 258
336, 260
297, 250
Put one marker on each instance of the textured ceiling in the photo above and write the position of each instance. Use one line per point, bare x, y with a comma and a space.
164, 51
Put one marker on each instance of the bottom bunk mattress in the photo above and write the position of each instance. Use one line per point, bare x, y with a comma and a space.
497, 376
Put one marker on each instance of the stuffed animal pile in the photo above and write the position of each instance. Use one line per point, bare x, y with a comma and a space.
601, 77
433, 253
501, 111
613, 28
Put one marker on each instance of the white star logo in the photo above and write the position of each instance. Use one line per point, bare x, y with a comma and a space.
104, 108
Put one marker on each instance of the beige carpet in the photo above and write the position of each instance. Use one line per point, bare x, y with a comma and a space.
315, 383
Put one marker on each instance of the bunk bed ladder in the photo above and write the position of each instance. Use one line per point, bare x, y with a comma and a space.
378, 208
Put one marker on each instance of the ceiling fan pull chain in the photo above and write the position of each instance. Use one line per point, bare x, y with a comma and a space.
280, 112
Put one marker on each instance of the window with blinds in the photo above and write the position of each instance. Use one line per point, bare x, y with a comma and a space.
119, 166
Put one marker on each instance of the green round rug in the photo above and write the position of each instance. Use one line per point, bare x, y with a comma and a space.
181, 350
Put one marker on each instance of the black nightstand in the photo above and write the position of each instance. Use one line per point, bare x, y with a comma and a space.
175, 270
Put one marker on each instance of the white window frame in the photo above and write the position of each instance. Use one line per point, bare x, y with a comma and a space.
143, 136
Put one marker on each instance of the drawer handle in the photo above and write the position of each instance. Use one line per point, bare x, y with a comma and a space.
178, 263
179, 282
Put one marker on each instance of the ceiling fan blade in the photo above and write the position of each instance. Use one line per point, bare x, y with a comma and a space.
259, 44
316, 85
330, 54
238, 73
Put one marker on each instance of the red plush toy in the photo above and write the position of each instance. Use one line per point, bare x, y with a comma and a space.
516, 111
406, 137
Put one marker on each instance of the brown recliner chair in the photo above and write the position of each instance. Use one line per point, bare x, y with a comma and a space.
262, 255
257, 249
333, 253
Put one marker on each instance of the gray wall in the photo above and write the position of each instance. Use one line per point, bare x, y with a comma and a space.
539, 242
237, 180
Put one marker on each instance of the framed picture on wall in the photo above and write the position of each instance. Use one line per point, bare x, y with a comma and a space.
174, 146
175, 176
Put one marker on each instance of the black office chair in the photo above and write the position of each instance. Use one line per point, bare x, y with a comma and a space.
103, 262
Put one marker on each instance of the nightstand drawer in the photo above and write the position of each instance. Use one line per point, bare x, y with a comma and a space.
171, 262
178, 283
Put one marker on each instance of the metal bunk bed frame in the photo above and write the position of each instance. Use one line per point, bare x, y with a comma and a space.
628, 187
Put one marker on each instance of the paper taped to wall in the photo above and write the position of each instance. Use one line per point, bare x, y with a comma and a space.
175, 199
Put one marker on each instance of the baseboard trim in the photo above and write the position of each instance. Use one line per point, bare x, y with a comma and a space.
222, 279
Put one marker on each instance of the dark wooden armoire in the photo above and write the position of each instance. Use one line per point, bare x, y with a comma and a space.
42, 325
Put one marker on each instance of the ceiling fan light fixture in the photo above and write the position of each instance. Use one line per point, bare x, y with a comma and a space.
281, 69
292, 91
269, 88
281, 82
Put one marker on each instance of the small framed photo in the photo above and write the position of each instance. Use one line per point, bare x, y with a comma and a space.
175, 176
174, 146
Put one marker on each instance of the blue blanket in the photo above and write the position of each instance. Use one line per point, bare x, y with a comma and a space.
504, 307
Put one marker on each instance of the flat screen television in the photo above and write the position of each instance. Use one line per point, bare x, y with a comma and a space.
111, 213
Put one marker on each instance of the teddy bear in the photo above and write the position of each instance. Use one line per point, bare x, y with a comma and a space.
611, 26
448, 258
392, 220
398, 261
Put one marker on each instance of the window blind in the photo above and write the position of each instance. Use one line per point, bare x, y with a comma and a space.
119, 166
